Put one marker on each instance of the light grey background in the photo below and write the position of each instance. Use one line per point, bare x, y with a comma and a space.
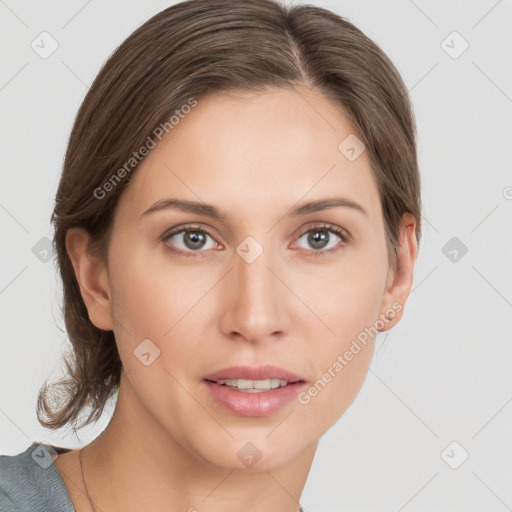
442, 375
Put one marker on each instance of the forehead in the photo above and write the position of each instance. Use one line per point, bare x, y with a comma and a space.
255, 152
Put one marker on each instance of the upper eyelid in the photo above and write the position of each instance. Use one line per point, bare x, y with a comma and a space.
328, 227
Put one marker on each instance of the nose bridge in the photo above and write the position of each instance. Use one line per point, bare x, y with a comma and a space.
255, 302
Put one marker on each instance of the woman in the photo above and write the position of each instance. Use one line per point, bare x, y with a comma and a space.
238, 217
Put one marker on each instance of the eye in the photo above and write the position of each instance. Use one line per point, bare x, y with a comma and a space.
193, 240
321, 239
189, 240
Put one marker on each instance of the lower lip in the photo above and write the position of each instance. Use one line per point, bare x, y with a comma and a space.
260, 404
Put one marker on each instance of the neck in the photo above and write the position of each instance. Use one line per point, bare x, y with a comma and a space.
135, 453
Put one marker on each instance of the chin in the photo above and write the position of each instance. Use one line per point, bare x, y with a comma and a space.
251, 454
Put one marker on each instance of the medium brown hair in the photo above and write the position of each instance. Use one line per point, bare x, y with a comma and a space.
186, 51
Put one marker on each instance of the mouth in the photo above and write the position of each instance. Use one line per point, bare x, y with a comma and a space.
254, 392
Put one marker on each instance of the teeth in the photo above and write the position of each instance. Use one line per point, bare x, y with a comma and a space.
253, 386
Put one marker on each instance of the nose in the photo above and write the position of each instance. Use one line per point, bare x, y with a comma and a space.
254, 303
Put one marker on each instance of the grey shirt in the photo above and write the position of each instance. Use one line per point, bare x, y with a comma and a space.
29, 481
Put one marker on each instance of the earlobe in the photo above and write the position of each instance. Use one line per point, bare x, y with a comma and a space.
400, 282
92, 276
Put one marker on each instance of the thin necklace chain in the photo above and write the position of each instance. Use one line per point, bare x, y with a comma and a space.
83, 480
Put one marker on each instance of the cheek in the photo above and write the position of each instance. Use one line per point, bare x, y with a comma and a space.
349, 302
152, 294
349, 298
341, 360
161, 302
157, 304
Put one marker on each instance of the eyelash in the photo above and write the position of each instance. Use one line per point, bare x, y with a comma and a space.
345, 238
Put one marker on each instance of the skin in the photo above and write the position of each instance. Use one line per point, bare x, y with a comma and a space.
254, 157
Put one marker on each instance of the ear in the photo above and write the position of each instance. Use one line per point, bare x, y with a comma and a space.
399, 282
92, 276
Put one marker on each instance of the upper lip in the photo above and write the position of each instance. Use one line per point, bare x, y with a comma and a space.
254, 373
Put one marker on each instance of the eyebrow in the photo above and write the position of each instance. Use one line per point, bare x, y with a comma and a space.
208, 210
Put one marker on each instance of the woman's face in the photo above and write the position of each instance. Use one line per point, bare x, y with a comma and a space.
244, 287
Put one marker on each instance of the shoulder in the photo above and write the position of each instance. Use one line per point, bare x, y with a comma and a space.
30, 482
